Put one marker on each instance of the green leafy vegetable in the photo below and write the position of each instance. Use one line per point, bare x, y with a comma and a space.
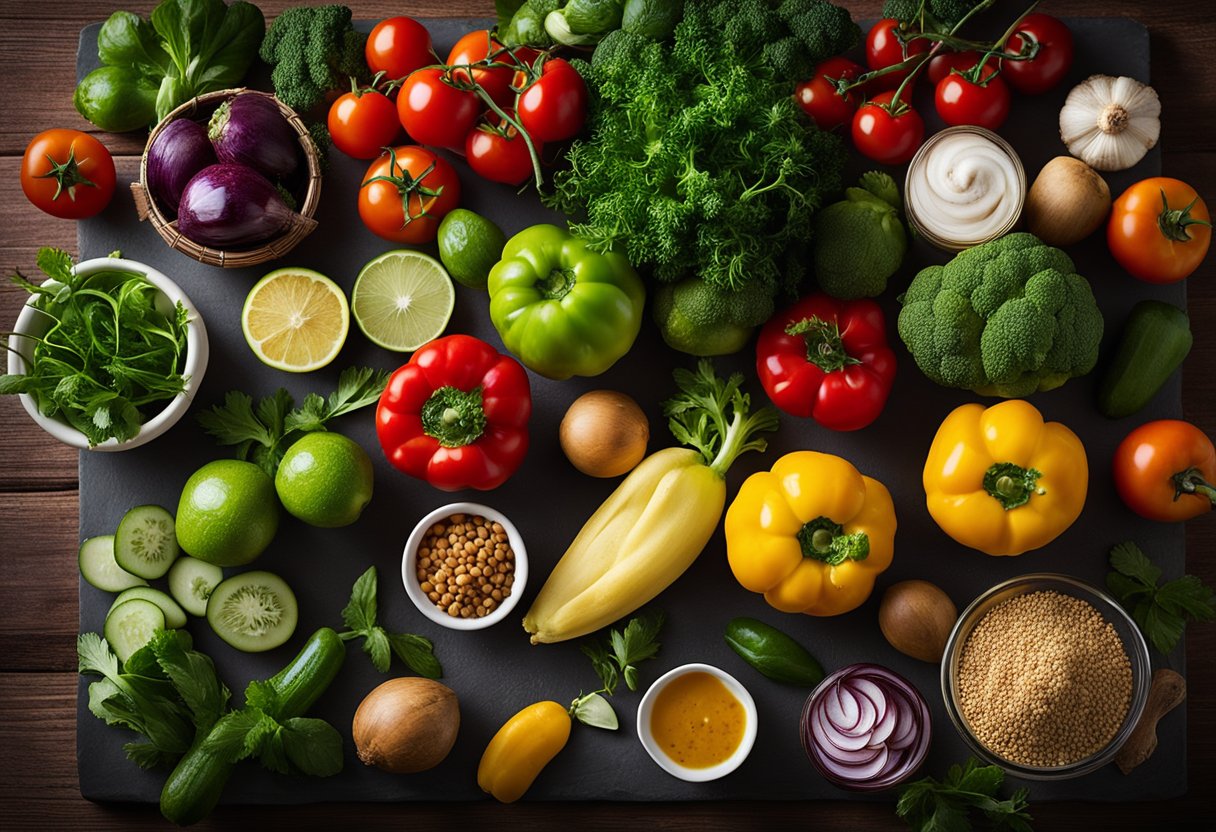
359, 616
149, 67
1160, 611
931, 806
111, 356
614, 658
313, 49
263, 434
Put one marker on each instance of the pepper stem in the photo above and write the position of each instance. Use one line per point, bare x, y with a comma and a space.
1191, 481
1173, 222
1012, 485
823, 539
454, 417
556, 284
824, 347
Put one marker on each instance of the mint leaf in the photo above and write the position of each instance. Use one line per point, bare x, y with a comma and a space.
418, 654
360, 617
360, 613
313, 746
376, 645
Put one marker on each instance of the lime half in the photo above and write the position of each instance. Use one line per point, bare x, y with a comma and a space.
295, 320
402, 299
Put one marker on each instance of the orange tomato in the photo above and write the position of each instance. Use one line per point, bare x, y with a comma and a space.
1166, 470
1159, 230
405, 194
68, 174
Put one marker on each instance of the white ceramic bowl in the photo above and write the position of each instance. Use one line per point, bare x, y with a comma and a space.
425, 605
697, 775
32, 322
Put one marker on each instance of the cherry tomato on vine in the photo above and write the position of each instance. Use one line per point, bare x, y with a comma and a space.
886, 138
436, 112
1052, 62
496, 151
1159, 230
67, 174
479, 45
408, 178
961, 100
362, 123
553, 107
884, 49
397, 46
941, 64
1166, 471
819, 99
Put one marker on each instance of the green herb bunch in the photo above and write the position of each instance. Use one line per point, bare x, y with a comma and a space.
615, 658
110, 358
1161, 611
930, 805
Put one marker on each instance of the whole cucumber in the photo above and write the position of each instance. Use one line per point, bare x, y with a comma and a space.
1155, 340
773, 653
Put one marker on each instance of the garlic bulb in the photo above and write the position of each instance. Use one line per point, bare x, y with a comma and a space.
1110, 123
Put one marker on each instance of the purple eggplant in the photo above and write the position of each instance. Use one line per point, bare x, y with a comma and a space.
231, 205
249, 130
178, 152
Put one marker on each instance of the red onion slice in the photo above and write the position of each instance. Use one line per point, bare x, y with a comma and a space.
843, 708
867, 716
833, 735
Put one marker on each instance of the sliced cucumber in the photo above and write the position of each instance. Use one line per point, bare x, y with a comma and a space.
253, 611
99, 568
131, 625
175, 616
146, 543
191, 582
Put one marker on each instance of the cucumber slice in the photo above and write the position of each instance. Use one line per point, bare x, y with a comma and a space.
99, 568
191, 582
131, 625
175, 616
146, 543
253, 611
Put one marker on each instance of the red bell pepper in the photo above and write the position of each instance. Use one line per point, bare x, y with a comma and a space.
456, 415
828, 359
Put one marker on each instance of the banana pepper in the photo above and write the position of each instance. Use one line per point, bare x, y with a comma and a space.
523, 746
1003, 481
812, 534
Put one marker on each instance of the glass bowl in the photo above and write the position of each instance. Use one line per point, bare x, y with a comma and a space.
1129, 635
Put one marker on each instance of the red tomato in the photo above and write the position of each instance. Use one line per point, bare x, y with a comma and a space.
553, 107
1049, 65
363, 123
435, 112
960, 100
496, 151
884, 49
887, 139
67, 174
1166, 471
1159, 230
397, 46
818, 96
495, 80
408, 176
940, 65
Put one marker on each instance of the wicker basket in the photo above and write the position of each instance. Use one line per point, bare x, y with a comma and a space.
301, 226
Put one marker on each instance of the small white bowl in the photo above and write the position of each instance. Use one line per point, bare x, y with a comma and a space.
697, 775
33, 322
425, 605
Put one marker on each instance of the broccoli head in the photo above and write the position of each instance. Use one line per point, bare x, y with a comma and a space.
313, 49
939, 15
700, 319
1006, 318
860, 241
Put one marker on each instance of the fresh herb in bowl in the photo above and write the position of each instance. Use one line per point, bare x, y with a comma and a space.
110, 357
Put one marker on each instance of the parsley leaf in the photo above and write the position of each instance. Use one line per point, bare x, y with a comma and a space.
1162, 611
615, 660
359, 616
928, 805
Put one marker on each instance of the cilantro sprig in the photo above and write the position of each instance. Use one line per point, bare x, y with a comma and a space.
616, 658
1161, 611
930, 805
262, 433
359, 616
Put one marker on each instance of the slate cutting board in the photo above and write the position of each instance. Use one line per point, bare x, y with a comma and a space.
495, 672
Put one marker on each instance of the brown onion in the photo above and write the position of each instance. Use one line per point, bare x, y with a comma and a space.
406, 725
916, 617
604, 433
1067, 202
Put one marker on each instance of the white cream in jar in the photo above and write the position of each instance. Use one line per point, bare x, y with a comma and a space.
964, 187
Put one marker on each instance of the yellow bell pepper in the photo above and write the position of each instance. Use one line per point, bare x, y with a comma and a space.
1003, 481
812, 534
523, 746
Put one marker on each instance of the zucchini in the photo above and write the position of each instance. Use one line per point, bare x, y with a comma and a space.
1155, 340
175, 616
773, 653
146, 543
191, 582
98, 567
197, 782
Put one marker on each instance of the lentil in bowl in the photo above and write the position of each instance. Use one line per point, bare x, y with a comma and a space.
1045, 676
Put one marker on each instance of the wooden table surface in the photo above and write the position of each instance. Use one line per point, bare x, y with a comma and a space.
38, 483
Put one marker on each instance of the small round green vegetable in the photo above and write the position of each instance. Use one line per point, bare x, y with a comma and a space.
860, 241
773, 653
699, 319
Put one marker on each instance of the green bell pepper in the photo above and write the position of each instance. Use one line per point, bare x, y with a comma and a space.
562, 308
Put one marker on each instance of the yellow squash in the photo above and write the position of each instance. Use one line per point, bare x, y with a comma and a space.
1003, 481
812, 534
523, 746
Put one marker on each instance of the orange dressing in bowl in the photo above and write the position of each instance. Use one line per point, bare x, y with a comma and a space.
697, 721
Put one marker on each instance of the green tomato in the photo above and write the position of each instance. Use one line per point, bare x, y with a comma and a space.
563, 309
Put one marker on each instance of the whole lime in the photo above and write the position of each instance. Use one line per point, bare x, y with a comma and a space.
325, 479
227, 514
469, 246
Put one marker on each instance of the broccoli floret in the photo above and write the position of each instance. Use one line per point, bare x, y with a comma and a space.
1007, 318
313, 50
939, 15
700, 319
859, 241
